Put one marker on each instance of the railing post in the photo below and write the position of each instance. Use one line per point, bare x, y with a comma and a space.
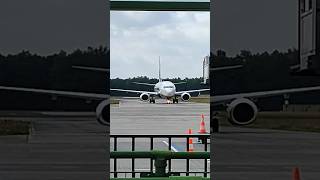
160, 165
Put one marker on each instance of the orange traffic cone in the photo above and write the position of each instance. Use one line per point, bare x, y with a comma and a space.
202, 126
190, 142
296, 174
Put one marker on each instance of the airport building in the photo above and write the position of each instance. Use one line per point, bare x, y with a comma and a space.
309, 38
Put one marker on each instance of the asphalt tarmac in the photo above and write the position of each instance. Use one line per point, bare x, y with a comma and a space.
62, 146
132, 116
72, 146
242, 153
66, 145
237, 152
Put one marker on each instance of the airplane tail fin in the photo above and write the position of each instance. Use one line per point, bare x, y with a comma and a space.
159, 70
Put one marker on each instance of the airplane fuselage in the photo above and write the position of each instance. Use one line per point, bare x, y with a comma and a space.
165, 89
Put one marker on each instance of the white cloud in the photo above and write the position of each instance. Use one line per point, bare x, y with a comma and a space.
138, 38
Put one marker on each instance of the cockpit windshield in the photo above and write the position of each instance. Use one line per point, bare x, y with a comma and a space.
168, 87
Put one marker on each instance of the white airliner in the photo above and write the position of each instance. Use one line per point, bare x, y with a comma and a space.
163, 89
241, 108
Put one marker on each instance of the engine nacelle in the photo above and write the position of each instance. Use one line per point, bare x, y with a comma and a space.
185, 96
242, 112
144, 97
103, 112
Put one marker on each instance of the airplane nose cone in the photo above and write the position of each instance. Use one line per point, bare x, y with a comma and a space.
170, 93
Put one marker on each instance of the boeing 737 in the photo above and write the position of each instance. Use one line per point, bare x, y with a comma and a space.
241, 108
163, 89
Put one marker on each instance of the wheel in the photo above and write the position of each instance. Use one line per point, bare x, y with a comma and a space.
150, 100
154, 101
177, 101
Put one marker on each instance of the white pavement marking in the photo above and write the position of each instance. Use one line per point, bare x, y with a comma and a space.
172, 148
142, 169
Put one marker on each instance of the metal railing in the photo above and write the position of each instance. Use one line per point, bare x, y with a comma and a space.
203, 138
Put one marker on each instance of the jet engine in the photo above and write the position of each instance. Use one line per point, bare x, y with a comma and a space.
103, 112
185, 96
144, 97
242, 112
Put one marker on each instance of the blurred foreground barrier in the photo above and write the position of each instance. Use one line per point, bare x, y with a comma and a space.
124, 164
160, 161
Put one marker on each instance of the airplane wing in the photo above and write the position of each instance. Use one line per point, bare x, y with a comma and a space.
91, 68
180, 83
59, 93
221, 99
191, 91
133, 91
147, 84
226, 68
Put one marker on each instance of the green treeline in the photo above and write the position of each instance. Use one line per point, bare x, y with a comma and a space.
261, 71
55, 72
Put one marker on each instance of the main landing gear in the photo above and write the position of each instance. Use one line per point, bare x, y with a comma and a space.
152, 100
175, 100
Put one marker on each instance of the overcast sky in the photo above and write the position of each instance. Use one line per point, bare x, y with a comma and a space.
181, 39
138, 38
